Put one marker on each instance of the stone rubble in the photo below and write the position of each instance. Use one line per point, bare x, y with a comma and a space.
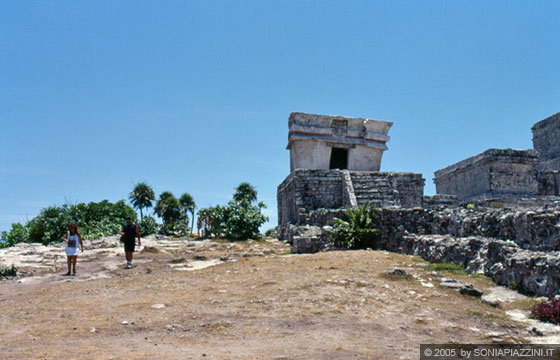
519, 248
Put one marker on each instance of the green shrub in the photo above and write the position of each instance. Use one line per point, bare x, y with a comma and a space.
94, 220
18, 233
359, 231
148, 226
239, 220
174, 213
6, 271
270, 232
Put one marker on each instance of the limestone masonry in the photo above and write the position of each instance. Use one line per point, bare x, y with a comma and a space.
506, 174
493, 172
304, 191
334, 164
336, 142
546, 140
496, 213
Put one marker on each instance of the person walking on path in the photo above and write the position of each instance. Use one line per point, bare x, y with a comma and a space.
73, 240
129, 233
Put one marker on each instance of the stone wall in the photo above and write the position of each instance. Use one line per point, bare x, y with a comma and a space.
531, 229
504, 261
549, 182
494, 171
440, 200
304, 191
312, 137
546, 140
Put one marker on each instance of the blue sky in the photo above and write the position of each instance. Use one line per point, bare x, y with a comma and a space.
194, 96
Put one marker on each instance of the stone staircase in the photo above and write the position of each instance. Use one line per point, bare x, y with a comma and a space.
377, 190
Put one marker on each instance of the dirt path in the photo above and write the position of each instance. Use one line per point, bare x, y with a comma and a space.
239, 301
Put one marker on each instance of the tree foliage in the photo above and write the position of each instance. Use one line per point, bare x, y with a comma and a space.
239, 220
245, 192
174, 212
188, 205
94, 219
141, 197
148, 226
359, 231
18, 233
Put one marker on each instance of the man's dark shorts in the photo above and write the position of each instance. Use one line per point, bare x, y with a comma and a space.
129, 245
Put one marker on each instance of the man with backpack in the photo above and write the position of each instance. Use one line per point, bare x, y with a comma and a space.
129, 233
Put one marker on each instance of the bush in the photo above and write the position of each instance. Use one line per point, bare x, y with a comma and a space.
18, 233
240, 220
359, 232
548, 311
94, 220
6, 271
148, 226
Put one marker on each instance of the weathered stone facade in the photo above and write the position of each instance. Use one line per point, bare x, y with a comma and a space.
492, 172
502, 172
536, 229
549, 182
304, 191
500, 236
336, 142
504, 261
546, 140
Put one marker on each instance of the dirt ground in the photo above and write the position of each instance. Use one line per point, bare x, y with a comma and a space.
221, 300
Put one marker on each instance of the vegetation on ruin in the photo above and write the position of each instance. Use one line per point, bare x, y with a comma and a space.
359, 231
449, 268
239, 220
456, 269
548, 311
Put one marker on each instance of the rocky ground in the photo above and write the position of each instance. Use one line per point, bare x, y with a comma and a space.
252, 300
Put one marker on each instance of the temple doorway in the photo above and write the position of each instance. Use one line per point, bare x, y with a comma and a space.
339, 159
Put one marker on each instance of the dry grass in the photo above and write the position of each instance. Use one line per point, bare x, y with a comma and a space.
266, 304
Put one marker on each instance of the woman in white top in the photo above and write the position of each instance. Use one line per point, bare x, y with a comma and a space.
73, 240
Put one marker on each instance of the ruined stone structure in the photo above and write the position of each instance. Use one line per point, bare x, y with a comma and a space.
492, 173
514, 241
304, 191
546, 140
334, 163
506, 175
336, 142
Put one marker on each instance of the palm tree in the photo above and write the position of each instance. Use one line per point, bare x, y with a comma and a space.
245, 191
188, 204
169, 210
160, 204
141, 197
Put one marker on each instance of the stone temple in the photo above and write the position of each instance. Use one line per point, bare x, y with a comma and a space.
497, 212
507, 176
335, 162
336, 142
